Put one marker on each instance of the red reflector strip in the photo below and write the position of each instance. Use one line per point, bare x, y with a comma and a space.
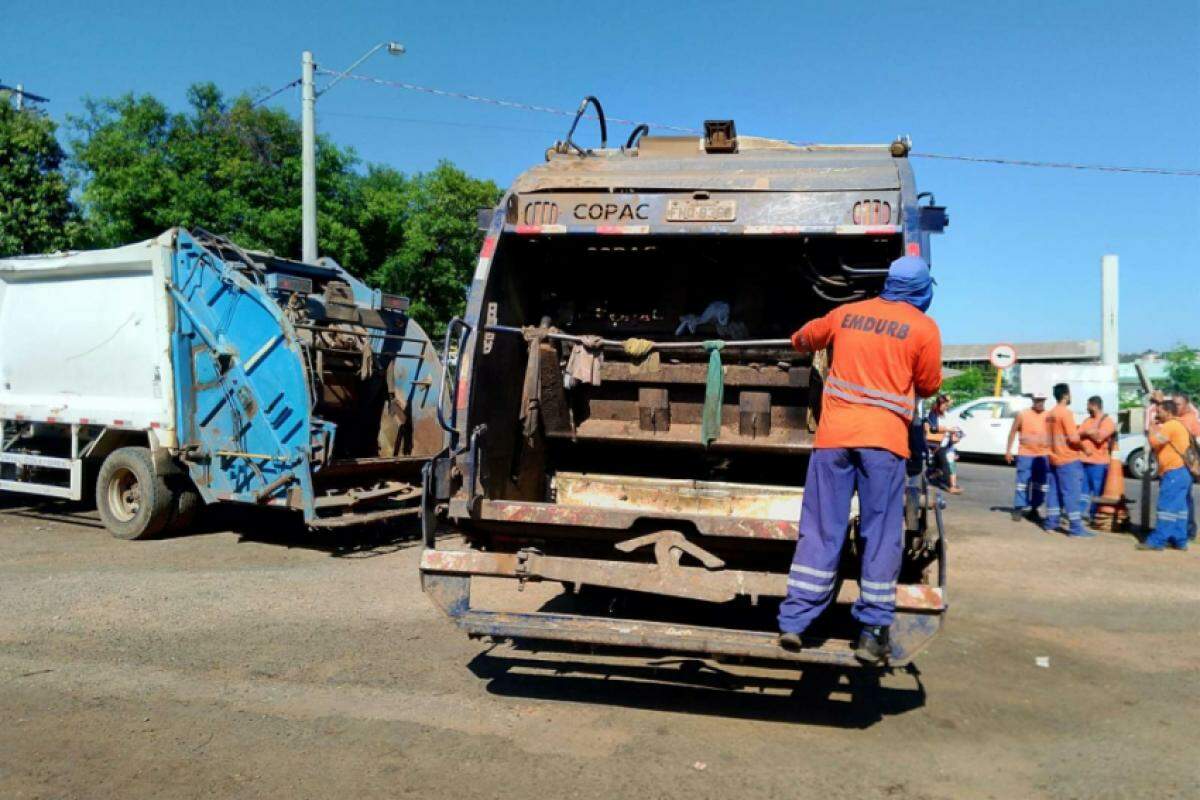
527, 229
489, 247
83, 421
622, 229
866, 230
913, 248
155, 425
461, 394
118, 422
533, 229
51, 419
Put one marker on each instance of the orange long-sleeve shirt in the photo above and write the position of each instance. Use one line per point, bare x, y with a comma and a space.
1094, 453
885, 355
1064, 435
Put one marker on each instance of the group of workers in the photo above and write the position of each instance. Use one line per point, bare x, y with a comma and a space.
862, 447
1065, 464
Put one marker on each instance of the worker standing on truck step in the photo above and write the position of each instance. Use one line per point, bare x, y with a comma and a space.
1066, 468
886, 353
1097, 434
1191, 421
1033, 458
1170, 440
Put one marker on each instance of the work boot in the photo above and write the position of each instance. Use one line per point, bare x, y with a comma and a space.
1018, 514
1148, 546
873, 646
1084, 534
791, 642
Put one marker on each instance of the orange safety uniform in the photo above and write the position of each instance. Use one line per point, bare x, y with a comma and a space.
886, 353
1064, 436
1097, 453
1032, 438
1170, 441
1191, 421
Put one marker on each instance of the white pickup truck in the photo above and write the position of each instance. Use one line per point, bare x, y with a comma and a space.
986, 421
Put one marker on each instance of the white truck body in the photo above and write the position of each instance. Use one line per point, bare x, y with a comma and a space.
85, 338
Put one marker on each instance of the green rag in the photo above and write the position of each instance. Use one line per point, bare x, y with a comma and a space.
714, 393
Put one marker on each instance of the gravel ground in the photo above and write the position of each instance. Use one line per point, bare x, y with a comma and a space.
252, 659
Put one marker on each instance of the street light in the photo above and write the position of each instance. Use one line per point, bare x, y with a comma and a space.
308, 148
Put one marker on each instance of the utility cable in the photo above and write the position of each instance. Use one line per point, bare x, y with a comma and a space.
519, 106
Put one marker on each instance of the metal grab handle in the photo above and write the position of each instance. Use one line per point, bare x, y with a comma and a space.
451, 426
619, 345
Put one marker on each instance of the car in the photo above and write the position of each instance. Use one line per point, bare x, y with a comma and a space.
985, 423
1132, 448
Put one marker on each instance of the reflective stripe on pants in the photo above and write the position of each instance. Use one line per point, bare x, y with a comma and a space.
1065, 495
834, 474
1171, 525
1031, 482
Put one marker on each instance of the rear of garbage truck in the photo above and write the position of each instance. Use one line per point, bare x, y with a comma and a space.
186, 370
660, 493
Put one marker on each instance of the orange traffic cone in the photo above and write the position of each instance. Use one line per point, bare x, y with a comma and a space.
1112, 511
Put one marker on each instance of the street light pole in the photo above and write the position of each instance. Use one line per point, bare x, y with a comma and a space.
308, 144
308, 156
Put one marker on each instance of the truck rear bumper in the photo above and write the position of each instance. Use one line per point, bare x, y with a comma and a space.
446, 578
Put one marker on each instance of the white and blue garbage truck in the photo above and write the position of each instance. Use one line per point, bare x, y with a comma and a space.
185, 370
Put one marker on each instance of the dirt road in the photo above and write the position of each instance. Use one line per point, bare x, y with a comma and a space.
253, 660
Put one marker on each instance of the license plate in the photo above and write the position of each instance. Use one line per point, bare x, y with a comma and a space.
701, 210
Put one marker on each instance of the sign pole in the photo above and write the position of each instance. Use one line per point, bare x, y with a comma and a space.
999, 379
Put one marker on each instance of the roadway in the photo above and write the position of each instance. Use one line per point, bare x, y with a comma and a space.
253, 659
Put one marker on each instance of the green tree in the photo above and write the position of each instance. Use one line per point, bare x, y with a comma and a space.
36, 213
1183, 370
970, 383
225, 166
440, 245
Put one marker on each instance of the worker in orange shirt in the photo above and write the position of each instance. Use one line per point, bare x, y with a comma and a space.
1065, 487
1097, 435
886, 353
1033, 458
1170, 440
1191, 421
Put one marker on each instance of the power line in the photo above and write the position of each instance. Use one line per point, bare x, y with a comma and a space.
276, 93
1014, 162
450, 123
475, 98
519, 106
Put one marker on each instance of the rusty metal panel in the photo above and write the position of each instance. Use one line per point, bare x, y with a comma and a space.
773, 168
658, 495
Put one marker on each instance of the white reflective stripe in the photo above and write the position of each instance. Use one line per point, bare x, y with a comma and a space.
810, 587
816, 573
1022, 486
877, 585
870, 401
879, 598
903, 399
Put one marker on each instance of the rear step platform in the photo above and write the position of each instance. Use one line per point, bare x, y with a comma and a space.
910, 631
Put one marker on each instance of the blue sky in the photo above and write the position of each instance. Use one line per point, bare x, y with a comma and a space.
1099, 82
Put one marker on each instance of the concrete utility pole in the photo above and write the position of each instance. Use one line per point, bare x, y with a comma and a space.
308, 145
308, 157
1109, 345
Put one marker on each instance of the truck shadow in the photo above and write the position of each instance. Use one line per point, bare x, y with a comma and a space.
832, 696
266, 526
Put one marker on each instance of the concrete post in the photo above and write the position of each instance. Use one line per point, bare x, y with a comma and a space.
308, 155
1109, 344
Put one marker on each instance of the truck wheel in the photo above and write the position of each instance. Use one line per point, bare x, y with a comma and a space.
185, 508
134, 502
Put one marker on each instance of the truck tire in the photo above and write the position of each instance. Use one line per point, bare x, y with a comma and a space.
134, 502
185, 508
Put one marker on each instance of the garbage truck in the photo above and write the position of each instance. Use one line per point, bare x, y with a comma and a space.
627, 420
185, 370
